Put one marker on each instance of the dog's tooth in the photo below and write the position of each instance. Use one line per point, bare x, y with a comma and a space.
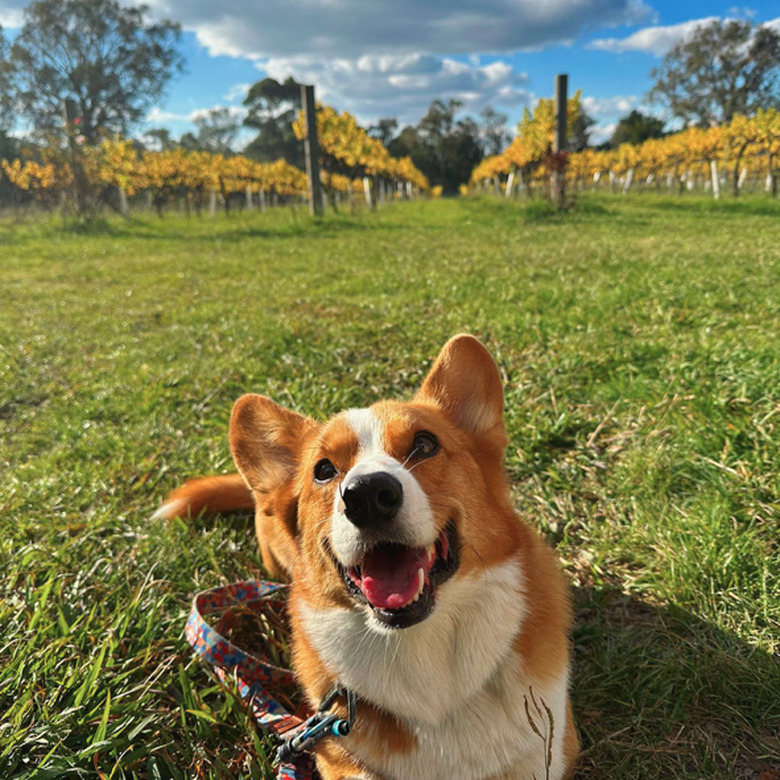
421, 580
431, 553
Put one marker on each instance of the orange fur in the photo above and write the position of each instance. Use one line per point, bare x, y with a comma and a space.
227, 493
461, 401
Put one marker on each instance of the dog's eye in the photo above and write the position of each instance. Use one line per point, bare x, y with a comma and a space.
425, 444
324, 471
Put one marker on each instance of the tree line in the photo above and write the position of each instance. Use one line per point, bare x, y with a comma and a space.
113, 63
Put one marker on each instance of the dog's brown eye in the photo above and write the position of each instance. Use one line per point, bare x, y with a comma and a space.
425, 444
324, 471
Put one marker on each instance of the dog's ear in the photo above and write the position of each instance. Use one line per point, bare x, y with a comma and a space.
465, 384
266, 440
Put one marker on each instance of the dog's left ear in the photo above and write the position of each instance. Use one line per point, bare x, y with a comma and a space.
464, 383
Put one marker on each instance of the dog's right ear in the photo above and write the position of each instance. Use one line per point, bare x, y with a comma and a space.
266, 440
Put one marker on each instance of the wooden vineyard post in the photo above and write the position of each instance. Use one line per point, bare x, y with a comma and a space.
312, 150
558, 173
123, 204
715, 179
509, 183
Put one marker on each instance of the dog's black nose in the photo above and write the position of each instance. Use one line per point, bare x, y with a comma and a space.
372, 499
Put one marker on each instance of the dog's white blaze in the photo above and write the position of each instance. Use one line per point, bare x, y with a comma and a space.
414, 525
453, 678
369, 431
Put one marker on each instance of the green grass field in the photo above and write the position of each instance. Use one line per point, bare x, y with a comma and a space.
639, 338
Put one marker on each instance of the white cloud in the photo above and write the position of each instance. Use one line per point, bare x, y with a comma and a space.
600, 134
741, 11
371, 87
652, 40
236, 92
202, 113
609, 106
11, 13
325, 29
366, 57
659, 40
158, 117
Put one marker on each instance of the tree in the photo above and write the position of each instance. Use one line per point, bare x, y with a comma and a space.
101, 54
723, 69
218, 130
6, 101
446, 150
9, 150
272, 107
160, 139
579, 138
383, 130
494, 133
636, 128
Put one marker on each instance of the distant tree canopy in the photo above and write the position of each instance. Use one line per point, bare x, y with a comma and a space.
9, 150
723, 69
446, 150
494, 133
217, 132
635, 128
159, 138
102, 54
6, 100
272, 108
383, 130
580, 134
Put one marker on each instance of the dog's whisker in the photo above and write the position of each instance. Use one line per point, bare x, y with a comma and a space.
409, 457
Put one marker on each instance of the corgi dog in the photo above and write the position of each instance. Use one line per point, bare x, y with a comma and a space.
415, 585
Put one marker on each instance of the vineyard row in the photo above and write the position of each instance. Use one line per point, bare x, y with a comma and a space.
746, 150
353, 164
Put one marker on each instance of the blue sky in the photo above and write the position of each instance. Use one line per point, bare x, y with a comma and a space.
391, 58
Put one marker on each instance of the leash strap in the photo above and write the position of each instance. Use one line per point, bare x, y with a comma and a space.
254, 674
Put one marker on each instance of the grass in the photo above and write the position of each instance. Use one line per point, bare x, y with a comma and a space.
638, 338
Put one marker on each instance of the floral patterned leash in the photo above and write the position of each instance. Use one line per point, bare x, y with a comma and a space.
255, 676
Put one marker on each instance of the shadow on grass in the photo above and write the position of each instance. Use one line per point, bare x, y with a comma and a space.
658, 692
180, 229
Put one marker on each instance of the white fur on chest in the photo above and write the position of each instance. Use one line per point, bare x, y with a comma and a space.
453, 678
490, 735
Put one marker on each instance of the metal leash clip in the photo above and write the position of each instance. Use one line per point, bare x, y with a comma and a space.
320, 725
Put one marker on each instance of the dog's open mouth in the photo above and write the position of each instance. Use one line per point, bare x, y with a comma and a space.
399, 583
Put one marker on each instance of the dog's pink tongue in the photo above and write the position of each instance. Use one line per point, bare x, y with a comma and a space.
391, 575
